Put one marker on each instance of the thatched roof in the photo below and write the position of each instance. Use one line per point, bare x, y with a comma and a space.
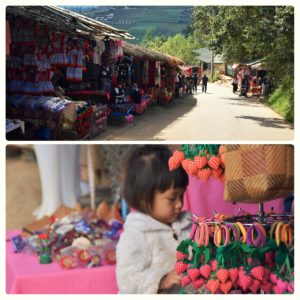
66, 21
141, 53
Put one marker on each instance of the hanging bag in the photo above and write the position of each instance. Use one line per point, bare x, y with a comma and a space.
256, 173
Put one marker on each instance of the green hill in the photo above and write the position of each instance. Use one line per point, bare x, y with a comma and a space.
163, 20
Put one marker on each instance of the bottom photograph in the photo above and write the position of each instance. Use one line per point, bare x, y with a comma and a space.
150, 219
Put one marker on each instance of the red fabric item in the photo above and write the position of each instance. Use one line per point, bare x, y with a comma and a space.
152, 66
114, 81
8, 38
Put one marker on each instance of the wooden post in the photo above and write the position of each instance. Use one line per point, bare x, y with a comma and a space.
212, 64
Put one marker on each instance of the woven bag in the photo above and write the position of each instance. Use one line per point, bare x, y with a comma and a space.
257, 173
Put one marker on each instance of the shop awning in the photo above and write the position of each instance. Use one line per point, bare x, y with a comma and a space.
141, 53
66, 21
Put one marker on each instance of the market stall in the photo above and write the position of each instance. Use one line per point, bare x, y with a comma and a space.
154, 72
245, 252
58, 58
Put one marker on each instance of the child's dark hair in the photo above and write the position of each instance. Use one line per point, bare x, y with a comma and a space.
146, 171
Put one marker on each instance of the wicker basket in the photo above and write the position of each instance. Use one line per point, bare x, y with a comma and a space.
256, 173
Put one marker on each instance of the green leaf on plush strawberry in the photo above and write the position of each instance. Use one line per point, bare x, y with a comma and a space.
248, 249
280, 254
206, 255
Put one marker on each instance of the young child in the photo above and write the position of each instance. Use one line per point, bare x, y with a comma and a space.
146, 252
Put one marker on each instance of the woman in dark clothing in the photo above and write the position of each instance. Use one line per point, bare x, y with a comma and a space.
204, 83
135, 94
244, 87
195, 82
234, 84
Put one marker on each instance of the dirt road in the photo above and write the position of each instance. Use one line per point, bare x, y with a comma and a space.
217, 115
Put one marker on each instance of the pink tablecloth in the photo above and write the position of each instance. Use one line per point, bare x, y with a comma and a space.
24, 275
202, 197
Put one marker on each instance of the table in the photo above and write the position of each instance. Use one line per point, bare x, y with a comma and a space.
24, 275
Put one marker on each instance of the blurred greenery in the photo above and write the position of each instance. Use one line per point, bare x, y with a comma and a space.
179, 45
247, 33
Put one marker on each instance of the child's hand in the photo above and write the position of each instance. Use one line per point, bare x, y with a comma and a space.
169, 280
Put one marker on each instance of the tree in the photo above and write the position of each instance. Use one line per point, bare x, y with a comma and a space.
147, 38
177, 45
244, 33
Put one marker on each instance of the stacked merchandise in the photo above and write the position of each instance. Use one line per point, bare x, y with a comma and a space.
99, 120
238, 255
11, 125
83, 121
120, 114
77, 240
41, 111
44, 61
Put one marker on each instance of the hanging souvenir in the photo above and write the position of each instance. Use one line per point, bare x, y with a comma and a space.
226, 255
201, 161
59, 45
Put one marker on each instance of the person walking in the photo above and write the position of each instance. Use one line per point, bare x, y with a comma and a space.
204, 83
195, 82
177, 84
234, 83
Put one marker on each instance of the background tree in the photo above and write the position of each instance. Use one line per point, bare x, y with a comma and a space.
178, 45
245, 33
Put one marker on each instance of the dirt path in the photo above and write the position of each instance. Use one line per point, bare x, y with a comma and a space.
217, 115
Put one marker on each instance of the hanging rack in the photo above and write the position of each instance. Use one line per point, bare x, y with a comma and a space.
247, 219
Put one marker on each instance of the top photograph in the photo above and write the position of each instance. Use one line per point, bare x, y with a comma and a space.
149, 73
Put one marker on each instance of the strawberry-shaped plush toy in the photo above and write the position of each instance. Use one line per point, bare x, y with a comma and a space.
205, 270
222, 275
225, 287
233, 274
193, 272
180, 267
258, 272
213, 285
214, 162
185, 280
200, 161
178, 157
197, 284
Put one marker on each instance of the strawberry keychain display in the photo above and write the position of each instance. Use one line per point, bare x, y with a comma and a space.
229, 257
201, 161
193, 256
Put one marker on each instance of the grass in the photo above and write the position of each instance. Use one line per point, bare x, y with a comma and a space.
282, 101
215, 77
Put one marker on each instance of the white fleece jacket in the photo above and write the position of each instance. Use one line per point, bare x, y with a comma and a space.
147, 251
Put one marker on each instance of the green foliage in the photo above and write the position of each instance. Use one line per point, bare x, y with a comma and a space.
215, 77
245, 33
282, 101
178, 45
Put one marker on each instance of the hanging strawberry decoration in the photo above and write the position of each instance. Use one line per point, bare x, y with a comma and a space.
201, 161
